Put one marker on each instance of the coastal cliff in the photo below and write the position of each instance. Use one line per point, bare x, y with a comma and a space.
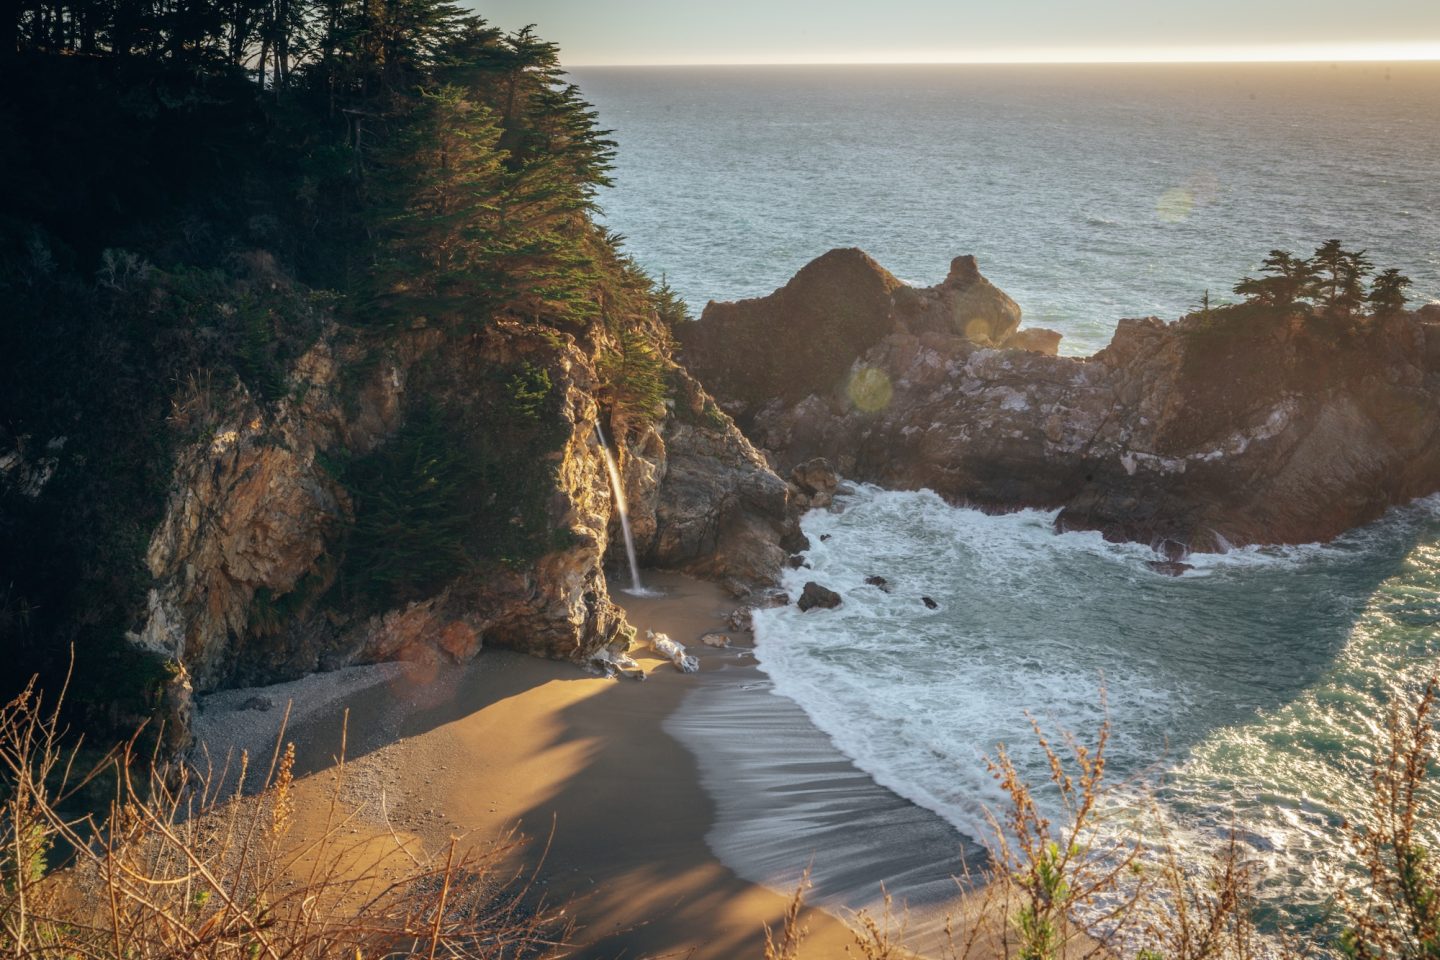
1231, 426
284, 394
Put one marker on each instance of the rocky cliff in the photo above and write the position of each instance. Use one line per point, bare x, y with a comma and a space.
420, 494
1230, 426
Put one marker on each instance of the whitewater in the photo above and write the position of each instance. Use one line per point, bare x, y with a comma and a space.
1247, 693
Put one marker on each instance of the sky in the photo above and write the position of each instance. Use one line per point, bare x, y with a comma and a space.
594, 32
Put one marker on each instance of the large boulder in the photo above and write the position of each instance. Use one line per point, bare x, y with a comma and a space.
814, 596
801, 338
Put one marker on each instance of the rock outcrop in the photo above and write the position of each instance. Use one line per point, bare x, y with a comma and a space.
1231, 427
245, 561
815, 596
702, 498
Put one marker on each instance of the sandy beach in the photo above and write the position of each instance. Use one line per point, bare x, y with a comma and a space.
586, 765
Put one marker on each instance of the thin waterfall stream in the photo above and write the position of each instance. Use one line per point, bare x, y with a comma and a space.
618, 492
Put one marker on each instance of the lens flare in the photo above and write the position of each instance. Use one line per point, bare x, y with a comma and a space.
870, 389
1175, 205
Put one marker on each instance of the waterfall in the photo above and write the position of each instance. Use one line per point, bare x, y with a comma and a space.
619, 493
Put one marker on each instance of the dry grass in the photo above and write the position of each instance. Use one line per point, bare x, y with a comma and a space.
1396, 913
174, 870
1078, 888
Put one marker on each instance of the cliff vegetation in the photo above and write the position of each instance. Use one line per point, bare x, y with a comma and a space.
307, 333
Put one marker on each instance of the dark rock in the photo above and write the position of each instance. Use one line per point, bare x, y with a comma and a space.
824, 538
796, 561
800, 340
880, 582
776, 598
930, 603
1173, 551
1171, 568
703, 500
1233, 427
739, 619
815, 595
793, 541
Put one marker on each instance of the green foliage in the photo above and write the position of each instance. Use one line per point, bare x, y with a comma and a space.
445, 493
1339, 275
267, 165
1040, 936
410, 500
633, 377
1387, 293
529, 390
25, 859
516, 443
441, 180
670, 308
1289, 279
1329, 284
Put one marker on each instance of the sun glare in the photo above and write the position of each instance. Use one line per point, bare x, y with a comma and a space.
1251, 53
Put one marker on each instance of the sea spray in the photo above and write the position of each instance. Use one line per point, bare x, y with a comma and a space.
618, 492
1247, 690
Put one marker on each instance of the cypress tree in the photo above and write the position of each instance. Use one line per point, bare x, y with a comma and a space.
1387, 293
1289, 280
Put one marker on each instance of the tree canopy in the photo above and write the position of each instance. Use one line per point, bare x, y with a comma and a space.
1330, 283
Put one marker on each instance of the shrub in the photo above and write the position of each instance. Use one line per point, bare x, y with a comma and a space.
632, 377
174, 869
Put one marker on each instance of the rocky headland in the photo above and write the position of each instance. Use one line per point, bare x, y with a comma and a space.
1234, 425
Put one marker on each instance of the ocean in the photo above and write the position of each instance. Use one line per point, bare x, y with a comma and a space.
1247, 693
1088, 193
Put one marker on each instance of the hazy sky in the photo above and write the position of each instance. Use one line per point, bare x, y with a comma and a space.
838, 31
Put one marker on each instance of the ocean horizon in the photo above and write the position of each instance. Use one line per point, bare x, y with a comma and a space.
1088, 192
1243, 692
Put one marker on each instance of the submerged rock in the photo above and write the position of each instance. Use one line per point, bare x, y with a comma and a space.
1171, 568
815, 595
880, 582
1234, 427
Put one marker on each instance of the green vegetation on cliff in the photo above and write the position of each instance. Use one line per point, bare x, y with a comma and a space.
190, 196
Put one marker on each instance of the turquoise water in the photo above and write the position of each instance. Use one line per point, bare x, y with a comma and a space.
1089, 193
1251, 690
1248, 692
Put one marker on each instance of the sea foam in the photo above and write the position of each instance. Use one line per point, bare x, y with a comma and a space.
1247, 691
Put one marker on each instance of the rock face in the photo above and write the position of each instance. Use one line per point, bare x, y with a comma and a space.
702, 498
1230, 428
256, 516
835, 309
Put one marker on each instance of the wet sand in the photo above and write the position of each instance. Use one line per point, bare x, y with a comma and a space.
580, 762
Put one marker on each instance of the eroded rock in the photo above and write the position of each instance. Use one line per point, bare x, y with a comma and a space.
1222, 429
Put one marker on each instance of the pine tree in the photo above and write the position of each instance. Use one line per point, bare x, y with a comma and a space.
1387, 293
673, 311
442, 177
1339, 274
1289, 280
